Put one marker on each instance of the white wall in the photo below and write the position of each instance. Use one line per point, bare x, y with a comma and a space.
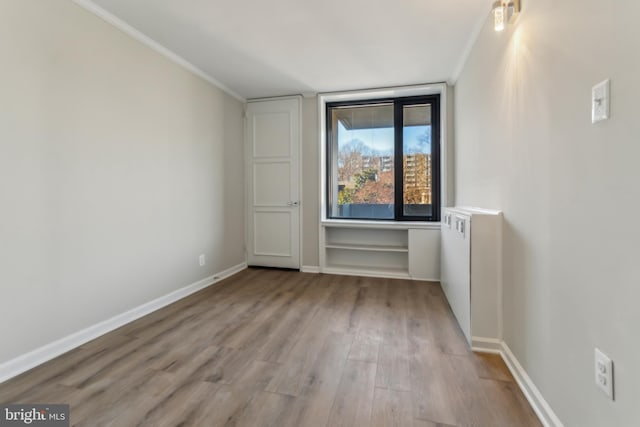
117, 169
569, 190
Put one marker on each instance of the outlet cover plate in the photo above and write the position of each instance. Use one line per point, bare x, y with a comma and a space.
604, 373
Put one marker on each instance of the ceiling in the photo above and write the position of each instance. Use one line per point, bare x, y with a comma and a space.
266, 48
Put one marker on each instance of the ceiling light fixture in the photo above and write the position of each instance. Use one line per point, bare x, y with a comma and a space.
504, 11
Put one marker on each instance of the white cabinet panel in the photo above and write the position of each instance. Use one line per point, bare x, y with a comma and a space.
471, 273
455, 274
424, 254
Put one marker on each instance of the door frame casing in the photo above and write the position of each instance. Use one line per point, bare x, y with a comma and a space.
247, 174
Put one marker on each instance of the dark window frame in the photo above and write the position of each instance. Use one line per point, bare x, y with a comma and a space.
398, 105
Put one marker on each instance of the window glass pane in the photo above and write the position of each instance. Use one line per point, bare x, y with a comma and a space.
362, 162
416, 160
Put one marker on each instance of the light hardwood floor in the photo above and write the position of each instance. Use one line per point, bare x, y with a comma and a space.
281, 348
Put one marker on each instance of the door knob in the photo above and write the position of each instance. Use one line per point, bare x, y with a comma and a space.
290, 203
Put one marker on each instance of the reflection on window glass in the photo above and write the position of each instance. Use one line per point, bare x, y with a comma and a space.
416, 160
364, 147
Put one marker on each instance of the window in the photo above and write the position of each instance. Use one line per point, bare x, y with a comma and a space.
383, 159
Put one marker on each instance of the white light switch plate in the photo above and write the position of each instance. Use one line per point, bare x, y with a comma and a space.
600, 101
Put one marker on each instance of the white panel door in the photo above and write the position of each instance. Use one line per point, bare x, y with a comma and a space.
273, 144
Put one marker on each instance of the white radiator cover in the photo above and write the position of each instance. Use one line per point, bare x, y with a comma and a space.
471, 270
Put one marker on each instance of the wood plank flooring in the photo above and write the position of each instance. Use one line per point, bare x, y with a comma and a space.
281, 348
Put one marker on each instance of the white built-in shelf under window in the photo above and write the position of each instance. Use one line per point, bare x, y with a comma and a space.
382, 249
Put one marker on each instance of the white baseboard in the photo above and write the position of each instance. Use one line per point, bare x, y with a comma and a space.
54, 349
310, 269
365, 273
531, 392
547, 417
424, 279
486, 345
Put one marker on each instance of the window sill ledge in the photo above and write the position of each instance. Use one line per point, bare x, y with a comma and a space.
401, 225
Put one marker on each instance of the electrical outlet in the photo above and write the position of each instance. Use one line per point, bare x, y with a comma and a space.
604, 373
202, 260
